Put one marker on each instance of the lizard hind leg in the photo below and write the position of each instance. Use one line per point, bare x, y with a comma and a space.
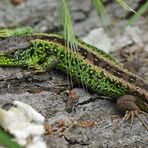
128, 104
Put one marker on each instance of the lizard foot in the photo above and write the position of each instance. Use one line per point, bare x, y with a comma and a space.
38, 68
128, 104
132, 114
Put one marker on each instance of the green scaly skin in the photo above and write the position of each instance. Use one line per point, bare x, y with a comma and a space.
89, 65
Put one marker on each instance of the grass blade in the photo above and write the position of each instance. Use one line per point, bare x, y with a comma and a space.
124, 5
6, 140
139, 13
101, 12
68, 35
67, 23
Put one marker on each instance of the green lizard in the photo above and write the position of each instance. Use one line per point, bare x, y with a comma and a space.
89, 65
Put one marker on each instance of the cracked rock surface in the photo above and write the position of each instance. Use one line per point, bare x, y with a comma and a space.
94, 121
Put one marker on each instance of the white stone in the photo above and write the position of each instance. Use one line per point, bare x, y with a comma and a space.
98, 38
22, 121
136, 35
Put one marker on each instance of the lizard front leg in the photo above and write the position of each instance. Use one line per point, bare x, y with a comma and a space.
48, 64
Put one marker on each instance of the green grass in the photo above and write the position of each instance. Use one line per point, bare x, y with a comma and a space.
124, 5
67, 24
104, 17
101, 12
138, 14
6, 140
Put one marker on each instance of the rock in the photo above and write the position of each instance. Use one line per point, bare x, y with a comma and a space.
135, 34
146, 48
99, 39
22, 121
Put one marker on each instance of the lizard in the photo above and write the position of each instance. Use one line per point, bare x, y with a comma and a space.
91, 66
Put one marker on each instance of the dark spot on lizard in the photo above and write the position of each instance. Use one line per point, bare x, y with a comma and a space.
119, 73
132, 79
107, 67
91, 73
51, 38
83, 52
142, 85
145, 86
31, 52
96, 60
61, 41
84, 67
